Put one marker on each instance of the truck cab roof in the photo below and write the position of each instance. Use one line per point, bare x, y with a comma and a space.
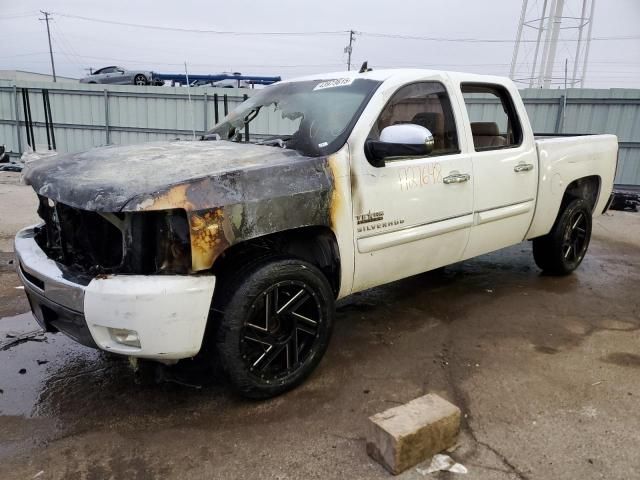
405, 74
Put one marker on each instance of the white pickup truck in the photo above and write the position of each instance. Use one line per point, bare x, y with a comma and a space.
237, 246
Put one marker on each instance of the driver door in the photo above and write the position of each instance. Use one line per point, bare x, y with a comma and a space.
413, 214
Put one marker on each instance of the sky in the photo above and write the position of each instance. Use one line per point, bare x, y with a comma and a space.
461, 35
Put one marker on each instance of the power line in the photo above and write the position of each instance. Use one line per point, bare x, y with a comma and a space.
67, 45
321, 32
65, 49
120, 59
20, 15
476, 40
24, 54
72, 51
316, 65
192, 30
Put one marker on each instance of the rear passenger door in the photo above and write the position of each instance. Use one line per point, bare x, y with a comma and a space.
505, 167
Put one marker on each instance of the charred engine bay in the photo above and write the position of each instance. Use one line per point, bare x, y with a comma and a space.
104, 243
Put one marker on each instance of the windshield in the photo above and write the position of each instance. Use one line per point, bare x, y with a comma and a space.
313, 117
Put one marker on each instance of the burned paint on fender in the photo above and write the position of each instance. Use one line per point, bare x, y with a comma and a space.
207, 237
231, 192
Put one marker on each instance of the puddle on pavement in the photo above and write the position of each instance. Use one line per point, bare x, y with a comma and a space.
29, 366
51, 375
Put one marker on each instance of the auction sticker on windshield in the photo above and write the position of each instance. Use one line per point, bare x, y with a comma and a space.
336, 82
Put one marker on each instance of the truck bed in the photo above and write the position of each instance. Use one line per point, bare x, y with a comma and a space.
564, 158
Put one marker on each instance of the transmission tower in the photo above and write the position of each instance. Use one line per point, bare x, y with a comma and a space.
549, 29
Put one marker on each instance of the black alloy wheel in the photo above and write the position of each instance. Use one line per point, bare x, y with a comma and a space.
575, 241
562, 250
281, 333
272, 321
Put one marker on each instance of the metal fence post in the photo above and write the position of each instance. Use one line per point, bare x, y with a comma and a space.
560, 113
17, 121
106, 116
205, 121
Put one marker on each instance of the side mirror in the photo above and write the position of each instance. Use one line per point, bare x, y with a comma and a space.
403, 140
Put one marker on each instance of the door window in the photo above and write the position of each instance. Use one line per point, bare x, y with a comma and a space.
494, 122
426, 104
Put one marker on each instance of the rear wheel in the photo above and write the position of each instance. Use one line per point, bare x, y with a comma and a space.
272, 325
562, 250
140, 79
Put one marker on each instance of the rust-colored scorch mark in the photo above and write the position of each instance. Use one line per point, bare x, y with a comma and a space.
336, 201
207, 238
175, 197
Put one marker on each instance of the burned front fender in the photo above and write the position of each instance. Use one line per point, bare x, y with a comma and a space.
237, 206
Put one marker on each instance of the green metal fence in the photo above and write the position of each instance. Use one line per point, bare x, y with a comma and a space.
86, 116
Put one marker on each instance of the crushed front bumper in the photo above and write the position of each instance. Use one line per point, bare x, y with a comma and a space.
166, 314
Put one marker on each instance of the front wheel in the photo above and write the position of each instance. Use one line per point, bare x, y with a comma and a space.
563, 248
272, 325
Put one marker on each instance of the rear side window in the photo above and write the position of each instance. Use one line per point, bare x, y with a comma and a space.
426, 104
494, 122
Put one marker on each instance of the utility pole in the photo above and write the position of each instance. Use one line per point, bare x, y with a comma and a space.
349, 48
46, 19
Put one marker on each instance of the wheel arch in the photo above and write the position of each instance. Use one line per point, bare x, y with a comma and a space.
551, 202
315, 244
586, 188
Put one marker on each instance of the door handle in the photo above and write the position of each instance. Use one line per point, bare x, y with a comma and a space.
456, 177
523, 167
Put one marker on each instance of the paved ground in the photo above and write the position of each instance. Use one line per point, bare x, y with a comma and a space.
545, 369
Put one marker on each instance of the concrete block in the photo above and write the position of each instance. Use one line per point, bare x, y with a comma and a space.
404, 436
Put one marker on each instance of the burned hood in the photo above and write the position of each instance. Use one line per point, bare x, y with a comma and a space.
180, 174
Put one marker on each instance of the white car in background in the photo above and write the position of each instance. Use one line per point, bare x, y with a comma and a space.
119, 76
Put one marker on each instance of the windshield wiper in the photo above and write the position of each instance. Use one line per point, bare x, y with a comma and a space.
275, 142
235, 132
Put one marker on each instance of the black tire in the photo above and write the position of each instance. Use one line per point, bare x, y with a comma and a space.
564, 247
266, 355
140, 80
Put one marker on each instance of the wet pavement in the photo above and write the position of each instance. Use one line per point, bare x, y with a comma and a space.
545, 369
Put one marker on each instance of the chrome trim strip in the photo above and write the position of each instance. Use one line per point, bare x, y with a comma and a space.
384, 232
505, 205
411, 234
506, 211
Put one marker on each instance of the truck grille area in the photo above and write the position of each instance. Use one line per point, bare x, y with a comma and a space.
78, 238
156, 242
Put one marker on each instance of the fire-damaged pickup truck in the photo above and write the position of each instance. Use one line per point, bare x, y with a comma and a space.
237, 246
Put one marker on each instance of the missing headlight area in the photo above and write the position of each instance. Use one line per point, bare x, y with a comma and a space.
105, 243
